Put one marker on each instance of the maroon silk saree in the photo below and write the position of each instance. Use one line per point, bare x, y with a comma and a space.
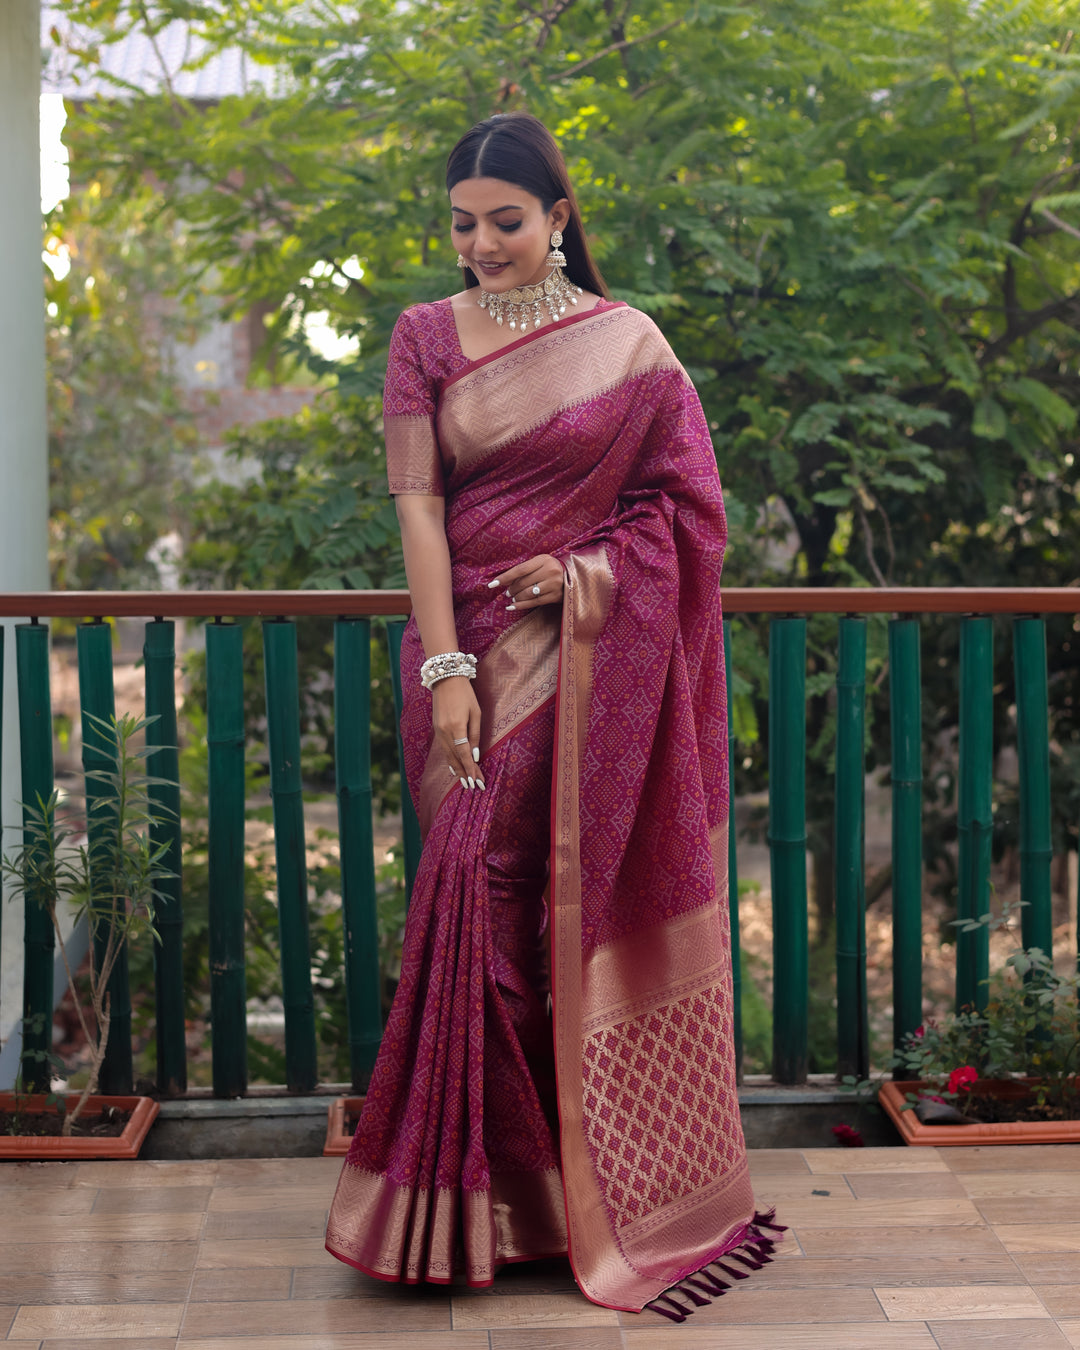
500, 1124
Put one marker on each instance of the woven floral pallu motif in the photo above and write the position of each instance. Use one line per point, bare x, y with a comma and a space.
493, 1131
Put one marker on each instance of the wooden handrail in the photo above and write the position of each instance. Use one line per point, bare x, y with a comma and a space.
737, 600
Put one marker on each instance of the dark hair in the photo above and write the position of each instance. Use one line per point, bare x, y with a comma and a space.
519, 149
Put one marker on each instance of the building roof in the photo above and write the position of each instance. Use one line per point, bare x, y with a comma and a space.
137, 63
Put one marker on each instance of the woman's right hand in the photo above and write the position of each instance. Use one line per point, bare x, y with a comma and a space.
455, 715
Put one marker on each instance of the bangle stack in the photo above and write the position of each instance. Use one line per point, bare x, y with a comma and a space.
437, 668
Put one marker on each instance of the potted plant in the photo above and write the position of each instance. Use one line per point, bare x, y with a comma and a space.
112, 880
1003, 1074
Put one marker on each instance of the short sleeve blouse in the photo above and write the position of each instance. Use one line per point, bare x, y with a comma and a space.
424, 350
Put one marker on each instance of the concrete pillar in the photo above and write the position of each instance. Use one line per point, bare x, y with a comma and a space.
23, 437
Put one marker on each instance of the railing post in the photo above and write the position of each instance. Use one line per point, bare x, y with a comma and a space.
159, 660
787, 847
905, 712
225, 862
99, 750
352, 758
852, 1020
975, 822
410, 825
733, 868
290, 851
36, 755
1033, 749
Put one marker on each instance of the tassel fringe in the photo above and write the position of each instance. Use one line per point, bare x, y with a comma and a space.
700, 1287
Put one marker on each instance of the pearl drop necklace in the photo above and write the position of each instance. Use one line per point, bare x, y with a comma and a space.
524, 302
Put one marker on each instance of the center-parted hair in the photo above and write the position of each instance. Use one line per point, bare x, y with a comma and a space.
517, 148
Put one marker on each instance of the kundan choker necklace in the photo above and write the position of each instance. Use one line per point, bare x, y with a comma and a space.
523, 303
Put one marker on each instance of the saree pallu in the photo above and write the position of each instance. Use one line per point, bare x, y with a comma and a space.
604, 749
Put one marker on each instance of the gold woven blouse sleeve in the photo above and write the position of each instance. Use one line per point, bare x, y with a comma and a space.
413, 463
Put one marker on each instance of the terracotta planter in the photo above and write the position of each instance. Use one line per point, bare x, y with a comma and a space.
55, 1147
893, 1095
337, 1138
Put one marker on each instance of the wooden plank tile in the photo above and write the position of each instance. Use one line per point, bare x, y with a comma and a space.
770, 1161
1039, 1237
283, 1223
529, 1310
906, 1186
97, 1256
386, 1340
1062, 1300
48, 1200
313, 1318
334, 1279
849, 1160
110, 1174
231, 1253
779, 1188
835, 1211
1047, 1268
1007, 1334
567, 1338
278, 1171
101, 1228
1021, 1210
223, 1286
35, 1344
147, 1200
100, 1343
98, 1321
7, 1316
258, 1199
102, 1286
947, 1303
913, 1241
824, 1336
1071, 1331
34, 1174
1013, 1158
760, 1306
873, 1268
1035, 1183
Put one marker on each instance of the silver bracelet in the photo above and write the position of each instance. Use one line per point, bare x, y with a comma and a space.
442, 667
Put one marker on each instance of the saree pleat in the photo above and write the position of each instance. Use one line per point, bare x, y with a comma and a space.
604, 750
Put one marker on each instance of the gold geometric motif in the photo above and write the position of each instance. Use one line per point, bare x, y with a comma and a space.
661, 1110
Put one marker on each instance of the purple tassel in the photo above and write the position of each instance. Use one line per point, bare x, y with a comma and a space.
735, 1274
692, 1294
680, 1313
747, 1261
709, 1283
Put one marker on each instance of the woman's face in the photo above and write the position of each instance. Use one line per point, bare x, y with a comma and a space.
503, 232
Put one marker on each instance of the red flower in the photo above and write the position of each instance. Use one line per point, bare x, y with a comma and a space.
919, 1033
848, 1136
962, 1080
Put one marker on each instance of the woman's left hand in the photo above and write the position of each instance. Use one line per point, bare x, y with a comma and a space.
538, 581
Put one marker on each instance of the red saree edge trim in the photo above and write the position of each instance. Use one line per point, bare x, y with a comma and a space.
500, 1261
482, 361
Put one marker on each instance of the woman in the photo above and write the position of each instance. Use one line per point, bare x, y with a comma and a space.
563, 531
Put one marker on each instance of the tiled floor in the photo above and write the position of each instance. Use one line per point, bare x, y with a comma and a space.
901, 1248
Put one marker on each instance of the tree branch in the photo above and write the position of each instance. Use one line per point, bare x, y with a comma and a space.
613, 47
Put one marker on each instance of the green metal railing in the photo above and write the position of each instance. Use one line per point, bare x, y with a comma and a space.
352, 612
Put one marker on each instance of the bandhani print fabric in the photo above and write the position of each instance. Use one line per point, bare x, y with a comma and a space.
502, 1124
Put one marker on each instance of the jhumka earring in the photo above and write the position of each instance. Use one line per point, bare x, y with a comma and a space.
461, 262
523, 303
556, 258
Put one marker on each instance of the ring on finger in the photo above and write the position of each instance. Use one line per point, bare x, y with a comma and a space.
536, 590
462, 740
